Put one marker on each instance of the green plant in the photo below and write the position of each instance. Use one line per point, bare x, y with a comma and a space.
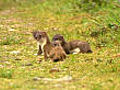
9, 40
6, 73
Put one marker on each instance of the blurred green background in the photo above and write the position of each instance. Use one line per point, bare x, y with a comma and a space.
94, 21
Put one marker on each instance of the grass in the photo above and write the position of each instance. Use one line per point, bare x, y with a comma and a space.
6, 73
99, 27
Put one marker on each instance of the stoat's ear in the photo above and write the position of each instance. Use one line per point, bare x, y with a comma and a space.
62, 37
44, 33
34, 32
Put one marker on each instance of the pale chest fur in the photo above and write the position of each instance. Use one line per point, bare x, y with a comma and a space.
42, 44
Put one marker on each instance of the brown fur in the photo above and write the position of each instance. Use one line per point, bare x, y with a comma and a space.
57, 53
36, 36
49, 50
83, 46
63, 43
70, 46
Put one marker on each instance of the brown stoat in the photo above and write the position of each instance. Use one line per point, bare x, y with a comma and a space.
46, 46
36, 35
77, 46
58, 53
62, 41
72, 47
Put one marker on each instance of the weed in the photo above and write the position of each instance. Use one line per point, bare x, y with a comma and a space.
11, 40
6, 73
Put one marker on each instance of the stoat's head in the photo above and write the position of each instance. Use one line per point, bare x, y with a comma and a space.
56, 43
60, 38
40, 36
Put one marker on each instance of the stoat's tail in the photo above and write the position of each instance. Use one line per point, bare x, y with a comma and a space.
89, 51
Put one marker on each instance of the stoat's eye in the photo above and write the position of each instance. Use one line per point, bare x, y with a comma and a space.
55, 44
55, 38
39, 36
61, 38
